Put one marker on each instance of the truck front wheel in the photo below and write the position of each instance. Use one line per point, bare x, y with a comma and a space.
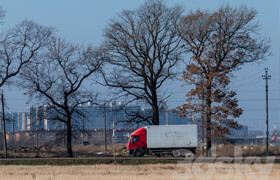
138, 153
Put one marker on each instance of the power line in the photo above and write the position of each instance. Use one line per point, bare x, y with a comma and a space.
274, 73
258, 91
276, 99
260, 109
242, 85
248, 77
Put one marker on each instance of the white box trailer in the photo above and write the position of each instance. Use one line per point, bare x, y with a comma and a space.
159, 139
171, 136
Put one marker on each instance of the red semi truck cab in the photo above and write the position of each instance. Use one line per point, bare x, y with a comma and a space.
137, 140
174, 139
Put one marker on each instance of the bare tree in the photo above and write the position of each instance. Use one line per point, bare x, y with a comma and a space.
57, 79
17, 48
19, 45
143, 48
220, 42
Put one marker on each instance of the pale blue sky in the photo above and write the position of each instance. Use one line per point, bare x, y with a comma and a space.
83, 21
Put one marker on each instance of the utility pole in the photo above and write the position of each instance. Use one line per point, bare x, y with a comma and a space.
105, 128
4, 124
113, 140
64, 134
166, 113
37, 127
266, 77
13, 120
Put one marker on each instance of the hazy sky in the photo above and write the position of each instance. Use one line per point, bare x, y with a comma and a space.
83, 22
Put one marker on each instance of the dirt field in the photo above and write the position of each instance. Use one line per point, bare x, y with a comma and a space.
147, 172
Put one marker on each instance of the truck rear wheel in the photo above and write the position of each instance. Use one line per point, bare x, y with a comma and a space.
138, 153
183, 152
176, 153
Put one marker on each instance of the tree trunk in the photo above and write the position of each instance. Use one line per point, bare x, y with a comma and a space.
155, 116
69, 136
155, 108
208, 122
203, 122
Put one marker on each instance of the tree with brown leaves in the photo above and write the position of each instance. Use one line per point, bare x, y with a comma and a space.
220, 42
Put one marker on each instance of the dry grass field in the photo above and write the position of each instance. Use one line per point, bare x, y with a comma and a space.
92, 150
140, 172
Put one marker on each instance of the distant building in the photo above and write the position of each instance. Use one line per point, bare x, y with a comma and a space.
88, 117
255, 133
10, 122
15, 121
31, 118
239, 133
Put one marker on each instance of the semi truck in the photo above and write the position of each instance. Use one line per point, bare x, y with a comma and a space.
163, 139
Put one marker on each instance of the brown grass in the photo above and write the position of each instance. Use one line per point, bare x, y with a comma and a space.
96, 149
140, 172
93, 150
59, 151
241, 150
